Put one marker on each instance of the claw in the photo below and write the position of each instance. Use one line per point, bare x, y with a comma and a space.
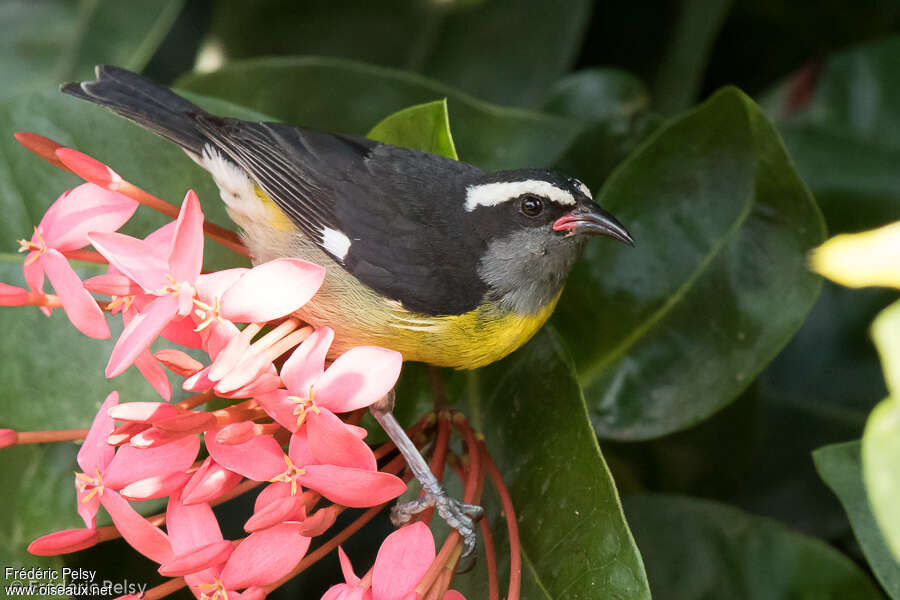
459, 516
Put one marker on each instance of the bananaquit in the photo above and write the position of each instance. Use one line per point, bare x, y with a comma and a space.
426, 255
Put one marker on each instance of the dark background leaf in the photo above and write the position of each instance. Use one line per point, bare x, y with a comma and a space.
697, 549
841, 468
668, 332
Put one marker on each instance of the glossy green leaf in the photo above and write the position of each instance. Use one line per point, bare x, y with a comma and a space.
424, 127
502, 51
348, 97
842, 126
575, 542
840, 467
696, 549
48, 43
668, 332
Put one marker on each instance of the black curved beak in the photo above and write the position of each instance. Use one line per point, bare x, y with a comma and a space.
593, 221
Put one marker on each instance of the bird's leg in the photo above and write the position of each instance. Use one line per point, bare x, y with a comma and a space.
460, 516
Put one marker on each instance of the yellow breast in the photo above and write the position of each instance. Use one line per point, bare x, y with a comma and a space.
469, 340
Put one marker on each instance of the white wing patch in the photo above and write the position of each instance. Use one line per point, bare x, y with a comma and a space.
335, 242
584, 190
492, 194
235, 188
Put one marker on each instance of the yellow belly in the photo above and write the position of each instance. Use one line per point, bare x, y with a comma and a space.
470, 340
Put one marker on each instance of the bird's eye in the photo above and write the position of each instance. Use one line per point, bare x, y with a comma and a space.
532, 205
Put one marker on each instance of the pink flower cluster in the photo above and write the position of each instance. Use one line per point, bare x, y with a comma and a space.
281, 430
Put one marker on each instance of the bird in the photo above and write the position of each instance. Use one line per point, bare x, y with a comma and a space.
426, 255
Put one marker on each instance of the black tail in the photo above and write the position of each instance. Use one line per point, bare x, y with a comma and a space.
149, 104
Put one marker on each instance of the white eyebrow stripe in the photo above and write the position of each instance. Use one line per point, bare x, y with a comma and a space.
492, 194
584, 190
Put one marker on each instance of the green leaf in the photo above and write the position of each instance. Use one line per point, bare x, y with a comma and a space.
575, 542
48, 43
840, 467
846, 138
344, 96
668, 332
424, 127
697, 549
506, 52
683, 62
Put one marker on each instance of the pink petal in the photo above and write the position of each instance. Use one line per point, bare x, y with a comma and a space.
453, 595
230, 357
198, 559
198, 382
112, 284
87, 508
347, 567
11, 295
210, 286
260, 459
182, 332
263, 384
332, 443
342, 591
140, 333
299, 450
209, 482
320, 521
161, 240
63, 542
80, 306
154, 373
358, 378
402, 560
187, 422
290, 508
186, 255
289, 284
158, 486
135, 258
178, 362
191, 526
307, 363
8, 437
236, 433
143, 412
244, 373
355, 488
85, 209
153, 438
133, 464
277, 406
265, 556
137, 531
95, 453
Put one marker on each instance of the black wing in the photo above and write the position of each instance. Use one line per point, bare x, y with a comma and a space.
401, 209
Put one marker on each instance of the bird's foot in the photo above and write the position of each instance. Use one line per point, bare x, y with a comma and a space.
459, 516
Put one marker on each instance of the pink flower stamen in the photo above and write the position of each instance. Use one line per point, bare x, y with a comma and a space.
290, 475
38, 248
304, 405
207, 314
216, 590
95, 484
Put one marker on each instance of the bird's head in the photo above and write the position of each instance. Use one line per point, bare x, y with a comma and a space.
535, 224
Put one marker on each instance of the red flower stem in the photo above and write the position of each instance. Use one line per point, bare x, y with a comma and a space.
442, 584
164, 589
223, 236
491, 557
59, 435
86, 256
515, 553
48, 300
